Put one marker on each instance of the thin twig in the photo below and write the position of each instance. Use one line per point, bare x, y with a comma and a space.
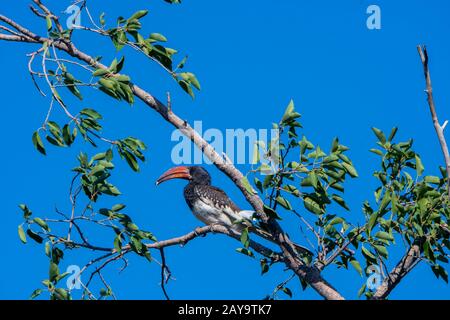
164, 269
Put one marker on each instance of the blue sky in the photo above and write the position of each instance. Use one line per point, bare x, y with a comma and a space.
251, 57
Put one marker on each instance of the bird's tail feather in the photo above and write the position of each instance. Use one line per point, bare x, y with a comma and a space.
248, 215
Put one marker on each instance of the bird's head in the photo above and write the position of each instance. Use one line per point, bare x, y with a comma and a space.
195, 174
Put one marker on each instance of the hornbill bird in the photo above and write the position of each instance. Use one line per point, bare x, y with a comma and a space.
211, 205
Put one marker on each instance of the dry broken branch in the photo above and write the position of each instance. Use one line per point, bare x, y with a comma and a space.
437, 126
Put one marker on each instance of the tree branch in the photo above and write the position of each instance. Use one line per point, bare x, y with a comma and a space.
439, 129
412, 257
202, 231
310, 274
164, 268
406, 264
10, 37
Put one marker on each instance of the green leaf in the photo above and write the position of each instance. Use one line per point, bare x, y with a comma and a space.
432, 179
62, 276
114, 191
118, 207
335, 145
440, 271
37, 142
337, 187
336, 220
35, 293
53, 271
246, 184
103, 292
356, 265
100, 72
98, 156
74, 89
67, 136
350, 169
119, 66
136, 245
22, 236
292, 190
287, 291
344, 158
284, 202
113, 67
26, 212
271, 213
428, 251
419, 166
91, 113
54, 128
385, 202
381, 250
193, 80
182, 63
56, 142
118, 243
48, 249
123, 78
47, 283
42, 224
131, 227
339, 200
289, 113
314, 179
186, 86
131, 160
245, 240
376, 151
264, 266
138, 15
105, 212
312, 206
384, 236
158, 37
380, 135
245, 251
62, 294
372, 220
48, 20
361, 290
392, 134
34, 236
368, 255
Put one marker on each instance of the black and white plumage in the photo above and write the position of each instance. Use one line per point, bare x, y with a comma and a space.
211, 205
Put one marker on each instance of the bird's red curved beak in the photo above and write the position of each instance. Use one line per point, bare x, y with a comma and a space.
180, 172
